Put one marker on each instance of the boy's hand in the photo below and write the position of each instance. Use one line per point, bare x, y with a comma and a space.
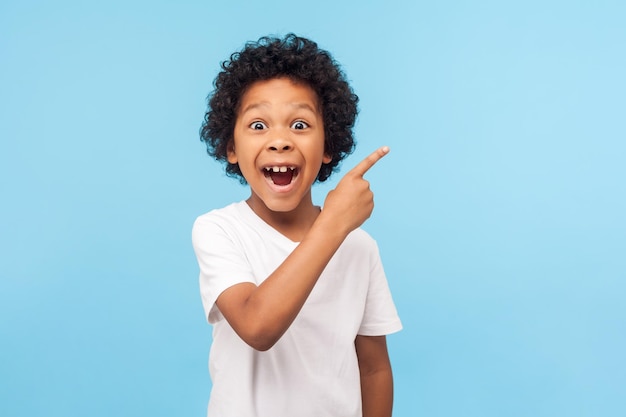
352, 201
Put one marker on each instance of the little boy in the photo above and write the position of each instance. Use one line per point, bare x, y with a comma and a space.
297, 295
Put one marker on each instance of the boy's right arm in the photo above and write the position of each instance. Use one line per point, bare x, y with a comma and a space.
261, 314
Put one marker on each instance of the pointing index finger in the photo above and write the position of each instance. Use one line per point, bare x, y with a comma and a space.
362, 167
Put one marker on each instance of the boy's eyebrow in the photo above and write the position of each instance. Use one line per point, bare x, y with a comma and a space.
305, 106
260, 104
254, 106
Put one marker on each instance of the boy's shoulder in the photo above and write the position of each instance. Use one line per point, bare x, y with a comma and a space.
360, 241
229, 211
226, 217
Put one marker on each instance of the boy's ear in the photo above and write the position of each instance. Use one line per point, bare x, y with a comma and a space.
327, 158
231, 156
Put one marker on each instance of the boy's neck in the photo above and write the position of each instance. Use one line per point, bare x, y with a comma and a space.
292, 224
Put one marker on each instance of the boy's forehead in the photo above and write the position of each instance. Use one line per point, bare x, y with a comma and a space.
265, 93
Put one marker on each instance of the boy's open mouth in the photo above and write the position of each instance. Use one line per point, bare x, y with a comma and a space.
281, 175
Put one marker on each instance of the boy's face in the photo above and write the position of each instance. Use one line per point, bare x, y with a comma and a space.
279, 143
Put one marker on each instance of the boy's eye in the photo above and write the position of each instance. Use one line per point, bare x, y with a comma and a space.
299, 125
258, 126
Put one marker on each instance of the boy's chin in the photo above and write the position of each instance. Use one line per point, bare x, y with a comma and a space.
279, 205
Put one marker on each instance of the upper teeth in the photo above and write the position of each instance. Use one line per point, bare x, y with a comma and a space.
279, 169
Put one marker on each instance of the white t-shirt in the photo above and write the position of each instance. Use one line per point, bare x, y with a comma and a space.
312, 370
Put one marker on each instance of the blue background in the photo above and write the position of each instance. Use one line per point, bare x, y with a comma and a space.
500, 210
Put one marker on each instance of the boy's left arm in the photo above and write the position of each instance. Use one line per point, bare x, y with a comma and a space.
376, 376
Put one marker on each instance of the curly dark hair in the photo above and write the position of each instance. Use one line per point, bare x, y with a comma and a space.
298, 59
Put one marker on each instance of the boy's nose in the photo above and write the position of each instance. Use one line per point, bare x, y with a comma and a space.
279, 145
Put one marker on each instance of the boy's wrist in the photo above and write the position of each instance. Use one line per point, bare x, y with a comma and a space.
331, 227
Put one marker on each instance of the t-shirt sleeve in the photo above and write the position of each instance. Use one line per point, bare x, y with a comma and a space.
380, 316
221, 260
